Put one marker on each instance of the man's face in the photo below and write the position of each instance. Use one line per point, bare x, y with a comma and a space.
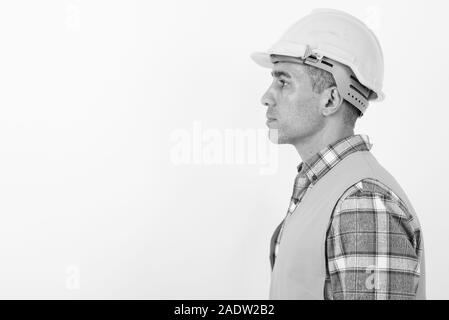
293, 107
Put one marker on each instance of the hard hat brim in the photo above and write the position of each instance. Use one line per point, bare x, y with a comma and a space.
262, 59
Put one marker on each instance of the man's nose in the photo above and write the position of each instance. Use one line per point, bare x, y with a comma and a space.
267, 99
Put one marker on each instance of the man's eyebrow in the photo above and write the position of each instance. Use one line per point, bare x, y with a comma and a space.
278, 74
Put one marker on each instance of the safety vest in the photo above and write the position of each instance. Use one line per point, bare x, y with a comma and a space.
300, 268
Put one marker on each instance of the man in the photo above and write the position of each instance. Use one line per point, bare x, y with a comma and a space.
350, 231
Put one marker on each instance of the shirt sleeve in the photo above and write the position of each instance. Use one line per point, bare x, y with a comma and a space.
372, 246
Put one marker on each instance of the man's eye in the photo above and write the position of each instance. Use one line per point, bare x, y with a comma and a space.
282, 83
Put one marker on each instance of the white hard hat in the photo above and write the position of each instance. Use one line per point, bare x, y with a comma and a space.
336, 42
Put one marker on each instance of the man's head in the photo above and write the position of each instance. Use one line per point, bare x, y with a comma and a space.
320, 94
303, 101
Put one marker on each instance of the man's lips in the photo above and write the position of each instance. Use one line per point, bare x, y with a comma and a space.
270, 121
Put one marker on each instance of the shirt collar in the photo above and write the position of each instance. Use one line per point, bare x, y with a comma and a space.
319, 164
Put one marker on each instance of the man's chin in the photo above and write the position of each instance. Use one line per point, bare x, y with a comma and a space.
274, 137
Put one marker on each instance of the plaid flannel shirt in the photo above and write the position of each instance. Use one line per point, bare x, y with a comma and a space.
373, 244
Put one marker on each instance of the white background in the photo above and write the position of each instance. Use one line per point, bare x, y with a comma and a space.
92, 204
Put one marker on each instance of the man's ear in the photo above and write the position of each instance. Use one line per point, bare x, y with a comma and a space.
331, 101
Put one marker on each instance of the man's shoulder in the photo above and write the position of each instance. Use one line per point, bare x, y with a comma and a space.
371, 194
369, 206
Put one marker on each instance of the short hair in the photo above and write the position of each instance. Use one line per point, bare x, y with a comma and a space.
321, 80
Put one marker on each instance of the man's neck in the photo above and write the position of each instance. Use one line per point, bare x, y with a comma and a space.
311, 145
